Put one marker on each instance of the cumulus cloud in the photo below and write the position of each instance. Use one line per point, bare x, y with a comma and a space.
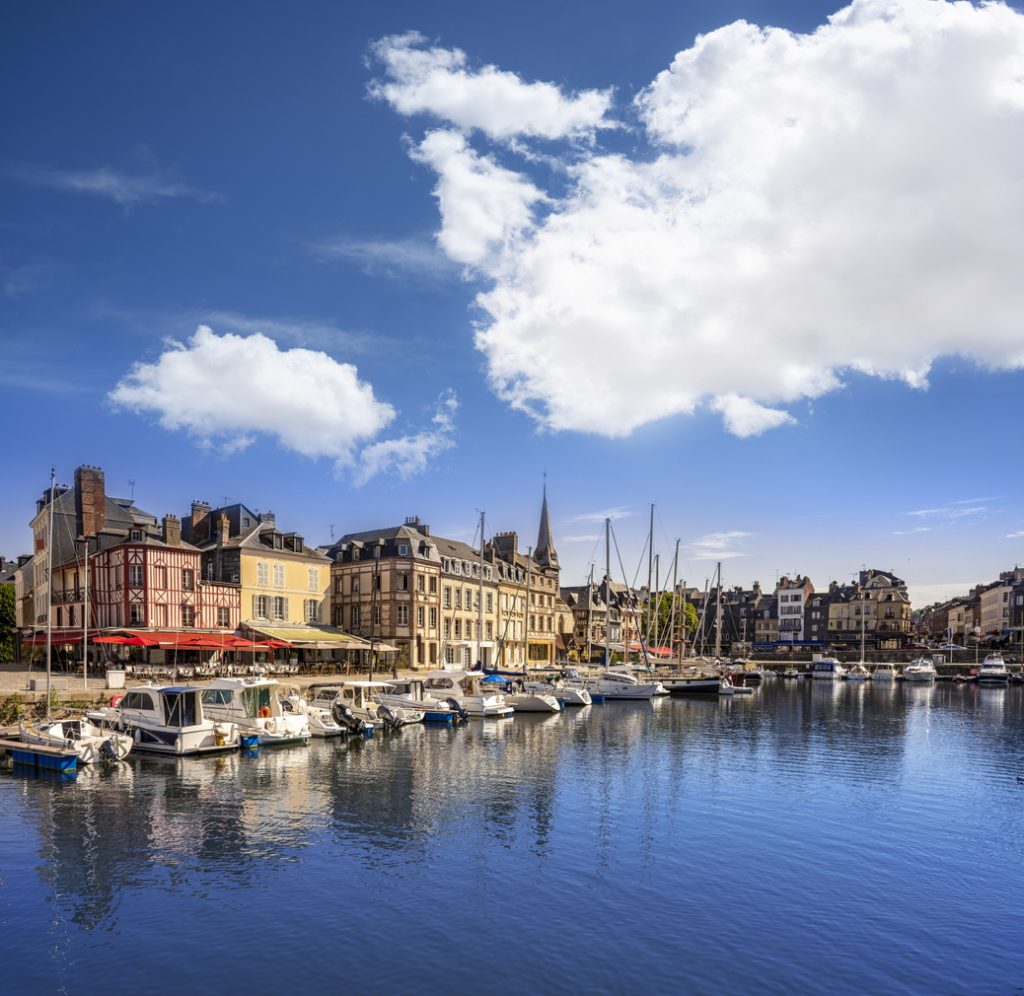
1019, 534
125, 189
436, 81
718, 546
409, 455
799, 206
224, 390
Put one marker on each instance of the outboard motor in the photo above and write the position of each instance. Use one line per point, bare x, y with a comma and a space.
392, 721
346, 718
107, 751
458, 708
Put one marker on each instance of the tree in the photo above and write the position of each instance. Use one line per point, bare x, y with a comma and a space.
656, 619
8, 622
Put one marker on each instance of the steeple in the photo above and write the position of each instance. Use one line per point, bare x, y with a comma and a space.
544, 552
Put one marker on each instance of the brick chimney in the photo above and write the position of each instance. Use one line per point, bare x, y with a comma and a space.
172, 530
199, 523
223, 529
90, 500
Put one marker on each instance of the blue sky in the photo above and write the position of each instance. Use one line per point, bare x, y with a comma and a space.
768, 284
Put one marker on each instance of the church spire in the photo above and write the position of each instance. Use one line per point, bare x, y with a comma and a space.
544, 552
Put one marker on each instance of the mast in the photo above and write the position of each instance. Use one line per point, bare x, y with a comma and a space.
608, 592
590, 610
49, 590
85, 621
650, 564
718, 610
480, 600
863, 616
526, 613
672, 615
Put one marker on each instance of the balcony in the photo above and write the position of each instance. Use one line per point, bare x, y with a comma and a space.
67, 595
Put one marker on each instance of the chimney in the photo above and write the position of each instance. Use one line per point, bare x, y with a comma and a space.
172, 530
90, 500
199, 524
413, 521
223, 529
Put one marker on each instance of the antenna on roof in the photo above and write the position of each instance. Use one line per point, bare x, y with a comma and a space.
332, 530
131, 484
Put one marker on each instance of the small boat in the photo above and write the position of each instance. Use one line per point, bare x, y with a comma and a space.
360, 698
468, 689
321, 723
993, 671
858, 673
920, 670
325, 697
884, 672
409, 693
620, 683
254, 707
564, 696
168, 720
791, 672
90, 741
692, 682
827, 669
531, 701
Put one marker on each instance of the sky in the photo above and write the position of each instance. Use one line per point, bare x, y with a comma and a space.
754, 263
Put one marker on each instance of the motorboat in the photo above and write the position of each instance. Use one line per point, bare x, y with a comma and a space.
885, 671
253, 705
827, 669
90, 741
321, 723
360, 697
858, 673
469, 690
325, 698
568, 691
993, 671
745, 673
530, 700
619, 683
920, 670
168, 720
691, 681
791, 672
409, 693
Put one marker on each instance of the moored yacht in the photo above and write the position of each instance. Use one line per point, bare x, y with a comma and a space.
168, 720
827, 669
89, 741
253, 705
569, 691
886, 671
619, 683
467, 688
993, 670
408, 693
321, 722
920, 670
360, 699
858, 673
530, 700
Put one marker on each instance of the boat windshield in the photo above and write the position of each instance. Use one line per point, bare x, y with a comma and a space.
253, 699
180, 709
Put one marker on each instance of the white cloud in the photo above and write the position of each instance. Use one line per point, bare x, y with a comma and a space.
799, 206
949, 512
744, 417
718, 546
582, 538
224, 390
300, 331
388, 256
123, 188
484, 207
436, 81
619, 512
1019, 534
412, 454
913, 532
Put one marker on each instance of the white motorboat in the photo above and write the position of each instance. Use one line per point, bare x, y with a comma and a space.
90, 741
360, 698
884, 672
571, 691
993, 671
920, 670
168, 720
469, 690
325, 697
858, 673
619, 683
827, 669
321, 722
409, 693
253, 705
791, 672
533, 701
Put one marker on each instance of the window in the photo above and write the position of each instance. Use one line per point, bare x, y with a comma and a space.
188, 579
280, 607
376, 615
355, 584
160, 615
135, 575
455, 567
490, 631
263, 574
433, 586
458, 598
490, 601
223, 616
403, 582
433, 618
420, 617
447, 628
420, 583
376, 553
71, 615
188, 615
338, 586
401, 615
458, 629
136, 700
313, 582
403, 550
278, 575
135, 614
447, 597
354, 616
160, 577
311, 611
245, 522
136, 536
261, 606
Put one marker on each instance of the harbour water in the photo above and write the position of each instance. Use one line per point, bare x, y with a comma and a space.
812, 837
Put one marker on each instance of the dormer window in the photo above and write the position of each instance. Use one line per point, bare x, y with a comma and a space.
403, 550
136, 536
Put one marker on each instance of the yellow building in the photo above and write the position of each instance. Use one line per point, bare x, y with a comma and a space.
282, 580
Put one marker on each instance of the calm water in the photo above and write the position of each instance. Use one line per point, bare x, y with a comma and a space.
810, 838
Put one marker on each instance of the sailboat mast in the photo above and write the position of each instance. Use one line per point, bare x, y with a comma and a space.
590, 610
49, 589
526, 613
672, 615
718, 610
650, 565
480, 601
85, 621
608, 591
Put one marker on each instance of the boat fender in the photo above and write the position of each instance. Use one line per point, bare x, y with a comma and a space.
115, 700
264, 712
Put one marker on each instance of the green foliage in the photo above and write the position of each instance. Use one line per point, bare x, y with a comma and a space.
12, 709
656, 619
8, 622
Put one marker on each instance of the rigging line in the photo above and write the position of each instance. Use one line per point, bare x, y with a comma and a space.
629, 602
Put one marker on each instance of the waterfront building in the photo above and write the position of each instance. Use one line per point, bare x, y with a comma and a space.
281, 580
1017, 617
766, 620
995, 605
816, 616
875, 609
792, 594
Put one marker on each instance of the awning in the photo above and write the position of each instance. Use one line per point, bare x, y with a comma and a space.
59, 637
314, 638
